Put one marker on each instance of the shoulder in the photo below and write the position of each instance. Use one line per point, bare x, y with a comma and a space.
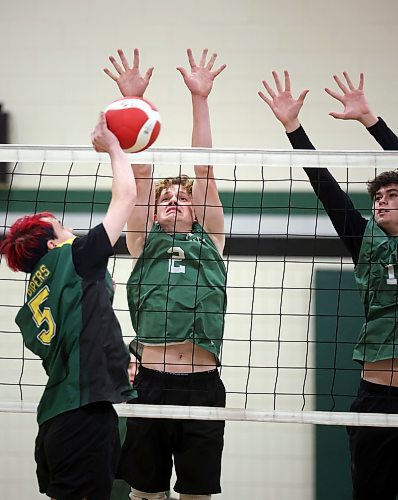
92, 250
215, 241
96, 239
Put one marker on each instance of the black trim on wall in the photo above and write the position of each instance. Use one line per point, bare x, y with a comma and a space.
273, 246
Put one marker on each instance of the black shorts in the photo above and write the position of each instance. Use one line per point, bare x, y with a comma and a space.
374, 450
196, 445
77, 453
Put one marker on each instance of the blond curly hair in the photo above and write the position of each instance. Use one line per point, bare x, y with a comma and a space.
182, 180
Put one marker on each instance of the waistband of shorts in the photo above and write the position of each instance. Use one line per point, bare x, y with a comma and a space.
389, 390
195, 375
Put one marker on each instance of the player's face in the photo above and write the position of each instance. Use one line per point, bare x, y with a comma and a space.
175, 206
62, 233
385, 208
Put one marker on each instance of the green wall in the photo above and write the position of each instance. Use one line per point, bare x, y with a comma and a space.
239, 202
338, 321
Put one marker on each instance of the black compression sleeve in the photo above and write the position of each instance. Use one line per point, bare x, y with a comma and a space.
383, 135
347, 221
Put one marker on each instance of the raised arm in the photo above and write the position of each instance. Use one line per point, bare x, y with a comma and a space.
356, 107
131, 83
123, 183
347, 221
205, 198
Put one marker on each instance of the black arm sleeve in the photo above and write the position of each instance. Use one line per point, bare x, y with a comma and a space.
347, 221
383, 135
91, 253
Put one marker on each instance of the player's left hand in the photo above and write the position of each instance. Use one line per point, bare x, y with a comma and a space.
200, 80
285, 108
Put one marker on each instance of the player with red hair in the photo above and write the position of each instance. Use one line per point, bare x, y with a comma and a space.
26, 241
68, 321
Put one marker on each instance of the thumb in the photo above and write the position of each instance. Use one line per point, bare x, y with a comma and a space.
337, 116
102, 119
303, 95
148, 74
182, 71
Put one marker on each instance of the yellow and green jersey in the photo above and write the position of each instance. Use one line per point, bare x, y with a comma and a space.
68, 321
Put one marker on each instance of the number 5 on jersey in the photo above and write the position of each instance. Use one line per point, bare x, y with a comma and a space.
44, 316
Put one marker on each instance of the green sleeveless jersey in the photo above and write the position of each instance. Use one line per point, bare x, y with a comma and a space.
68, 321
176, 291
375, 275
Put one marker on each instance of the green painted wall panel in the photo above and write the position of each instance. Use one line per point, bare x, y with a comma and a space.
246, 202
339, 317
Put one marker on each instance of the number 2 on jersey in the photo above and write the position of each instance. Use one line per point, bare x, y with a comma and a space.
391, 280
174, 263
43, 316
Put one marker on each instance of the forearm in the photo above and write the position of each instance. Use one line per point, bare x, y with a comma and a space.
384, 135
144, 180
201, 127
347, 221
123, 183
201, 137
123, 194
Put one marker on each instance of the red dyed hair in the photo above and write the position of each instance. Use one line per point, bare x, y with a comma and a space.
25, 243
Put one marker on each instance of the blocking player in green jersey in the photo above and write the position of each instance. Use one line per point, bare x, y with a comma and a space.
373, 246
68, 321
177, 300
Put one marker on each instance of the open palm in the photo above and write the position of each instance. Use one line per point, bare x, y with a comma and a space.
200, 80
283, 105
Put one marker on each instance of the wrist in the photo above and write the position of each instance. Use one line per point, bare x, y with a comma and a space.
132, 93
197, 98
114, 148
368, 119
291, 125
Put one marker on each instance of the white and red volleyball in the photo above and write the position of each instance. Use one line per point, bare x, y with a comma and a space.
134, 121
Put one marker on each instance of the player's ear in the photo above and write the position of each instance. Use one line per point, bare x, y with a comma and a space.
51, 244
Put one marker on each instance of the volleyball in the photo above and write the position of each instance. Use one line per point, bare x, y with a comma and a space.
134, 121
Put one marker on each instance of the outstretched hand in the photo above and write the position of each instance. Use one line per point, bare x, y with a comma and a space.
129, 79
283, 105
102, 138
353, 99
200, 80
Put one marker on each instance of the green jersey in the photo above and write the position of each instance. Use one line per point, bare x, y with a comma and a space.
376, 279
68, 321
177, 290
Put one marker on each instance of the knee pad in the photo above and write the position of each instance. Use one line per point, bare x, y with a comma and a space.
142, 495
183, 496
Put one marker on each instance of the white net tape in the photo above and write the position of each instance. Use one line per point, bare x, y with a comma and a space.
233, 414
202, 156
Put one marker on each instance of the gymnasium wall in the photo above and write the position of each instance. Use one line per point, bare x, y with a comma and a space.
53, 87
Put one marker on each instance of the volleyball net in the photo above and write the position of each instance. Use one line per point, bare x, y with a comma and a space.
293, 312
